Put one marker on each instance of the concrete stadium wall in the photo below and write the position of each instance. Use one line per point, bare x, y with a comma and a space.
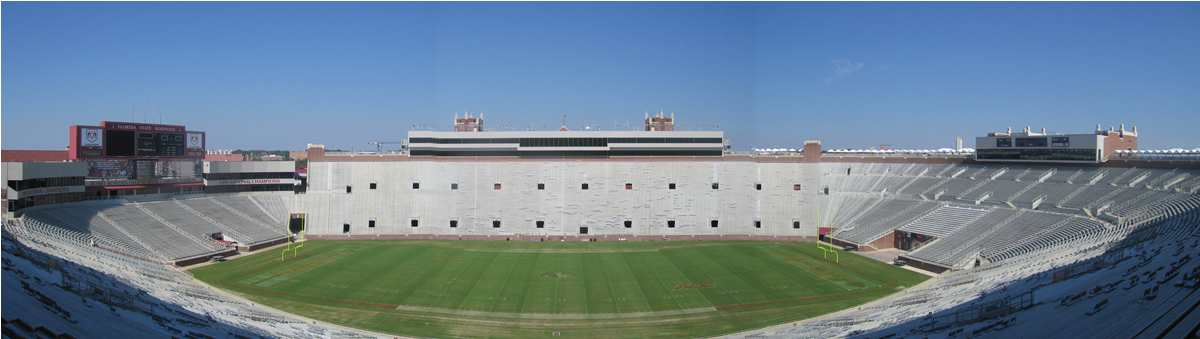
205, 258
262, 245
563, 206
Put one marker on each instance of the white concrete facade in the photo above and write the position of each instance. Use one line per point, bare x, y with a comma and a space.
563, 204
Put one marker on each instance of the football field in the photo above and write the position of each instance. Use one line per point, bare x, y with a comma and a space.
432, 288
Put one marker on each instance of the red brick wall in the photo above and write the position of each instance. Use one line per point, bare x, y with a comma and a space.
1114, 141
887, 241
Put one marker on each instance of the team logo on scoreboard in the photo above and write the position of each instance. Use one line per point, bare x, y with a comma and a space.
91, 138
195, 140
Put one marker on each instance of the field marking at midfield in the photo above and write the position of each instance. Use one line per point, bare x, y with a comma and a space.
635, 283
611, 292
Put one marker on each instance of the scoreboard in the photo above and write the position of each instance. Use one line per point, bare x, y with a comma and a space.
124, 140
151, 144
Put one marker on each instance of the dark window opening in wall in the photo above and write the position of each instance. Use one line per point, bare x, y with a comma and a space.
416, 185
758, 187
454, 186
796, 224
540, 224
497, 186
373, 186
628, 186
670, 223
345, 228
415, 223
713, 223
847, 171
796, 187
758, 224
371, 223
583, 230
716, 185
826, 190
628, 223
347, 189
671, 186
541, 186
453, 223
584, 186
495, 223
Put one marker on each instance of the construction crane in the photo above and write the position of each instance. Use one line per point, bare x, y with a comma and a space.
379, 145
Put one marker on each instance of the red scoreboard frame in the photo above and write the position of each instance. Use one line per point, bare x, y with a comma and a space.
127, 140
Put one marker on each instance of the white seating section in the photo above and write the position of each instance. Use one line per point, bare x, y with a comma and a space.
167, 229
945, 221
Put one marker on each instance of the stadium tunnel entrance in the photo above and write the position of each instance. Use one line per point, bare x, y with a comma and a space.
296, 223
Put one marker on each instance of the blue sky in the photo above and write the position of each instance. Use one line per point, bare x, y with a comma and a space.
279, 75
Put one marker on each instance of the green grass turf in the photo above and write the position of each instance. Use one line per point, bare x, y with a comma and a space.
503, 289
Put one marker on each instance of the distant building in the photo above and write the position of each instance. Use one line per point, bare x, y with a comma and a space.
222, 155
467, 123
33, 156
563, 143
1030, 146
957, 144
660, 123
298, 155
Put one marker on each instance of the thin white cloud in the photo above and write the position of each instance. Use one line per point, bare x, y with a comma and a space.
844, 68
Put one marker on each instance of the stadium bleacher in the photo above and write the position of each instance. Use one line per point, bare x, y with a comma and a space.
1091, 219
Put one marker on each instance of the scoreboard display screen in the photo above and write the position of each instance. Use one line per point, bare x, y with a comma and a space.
120, 143
151, 144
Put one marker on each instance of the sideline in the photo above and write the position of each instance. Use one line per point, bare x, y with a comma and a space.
239, 256
804, 322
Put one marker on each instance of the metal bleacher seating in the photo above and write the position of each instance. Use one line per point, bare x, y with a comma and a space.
882, 217
243, 221
86, 221
945, 220
160, 237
